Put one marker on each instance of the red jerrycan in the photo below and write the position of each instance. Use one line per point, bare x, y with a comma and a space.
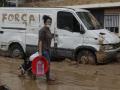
39, 66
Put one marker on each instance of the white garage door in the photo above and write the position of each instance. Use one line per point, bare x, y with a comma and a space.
112, 22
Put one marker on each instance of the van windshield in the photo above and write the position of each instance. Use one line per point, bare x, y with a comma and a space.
89, 20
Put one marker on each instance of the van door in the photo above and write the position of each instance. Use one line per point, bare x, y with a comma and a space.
1, 34
12, 31
1, 31
33, 27
67, 33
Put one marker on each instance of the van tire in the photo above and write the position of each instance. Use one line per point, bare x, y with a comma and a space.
86, 57
16, 51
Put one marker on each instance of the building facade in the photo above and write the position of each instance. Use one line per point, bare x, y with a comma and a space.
14, 3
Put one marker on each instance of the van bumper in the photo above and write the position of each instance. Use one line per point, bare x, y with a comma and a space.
106, 56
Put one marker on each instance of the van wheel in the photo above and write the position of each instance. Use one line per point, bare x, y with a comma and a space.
15, 51
86, 57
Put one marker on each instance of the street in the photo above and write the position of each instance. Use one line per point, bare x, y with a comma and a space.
68, 76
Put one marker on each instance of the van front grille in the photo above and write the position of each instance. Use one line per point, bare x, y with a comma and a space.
117, 45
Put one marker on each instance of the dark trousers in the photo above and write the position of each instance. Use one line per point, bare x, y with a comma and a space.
46, 54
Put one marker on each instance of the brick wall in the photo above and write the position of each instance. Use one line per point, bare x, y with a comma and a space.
34, 0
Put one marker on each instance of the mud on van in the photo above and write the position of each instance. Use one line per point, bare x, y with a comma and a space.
77, 34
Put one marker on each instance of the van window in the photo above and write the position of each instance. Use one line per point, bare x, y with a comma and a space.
89, 20
66, 21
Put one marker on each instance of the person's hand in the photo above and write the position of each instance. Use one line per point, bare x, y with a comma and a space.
40, 53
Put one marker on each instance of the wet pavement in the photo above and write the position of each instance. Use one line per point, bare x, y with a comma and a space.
68, 76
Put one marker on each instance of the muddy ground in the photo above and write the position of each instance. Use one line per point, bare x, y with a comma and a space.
68, 76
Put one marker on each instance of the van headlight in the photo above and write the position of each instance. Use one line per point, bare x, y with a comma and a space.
108, 47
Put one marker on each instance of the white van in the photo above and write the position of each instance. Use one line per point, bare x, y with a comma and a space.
77, 34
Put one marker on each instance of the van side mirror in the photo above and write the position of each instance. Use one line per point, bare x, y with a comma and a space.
82, 30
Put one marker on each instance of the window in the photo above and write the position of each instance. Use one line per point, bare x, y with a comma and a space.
111, 22
66, 21
88, 19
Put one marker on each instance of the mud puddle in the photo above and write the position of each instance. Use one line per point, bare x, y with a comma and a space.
68, 76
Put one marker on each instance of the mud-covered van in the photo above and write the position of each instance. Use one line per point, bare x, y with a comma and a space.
77, 34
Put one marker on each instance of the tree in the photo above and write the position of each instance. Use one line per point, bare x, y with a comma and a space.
2, 3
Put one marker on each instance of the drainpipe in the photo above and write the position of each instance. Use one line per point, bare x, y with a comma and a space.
4, 1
